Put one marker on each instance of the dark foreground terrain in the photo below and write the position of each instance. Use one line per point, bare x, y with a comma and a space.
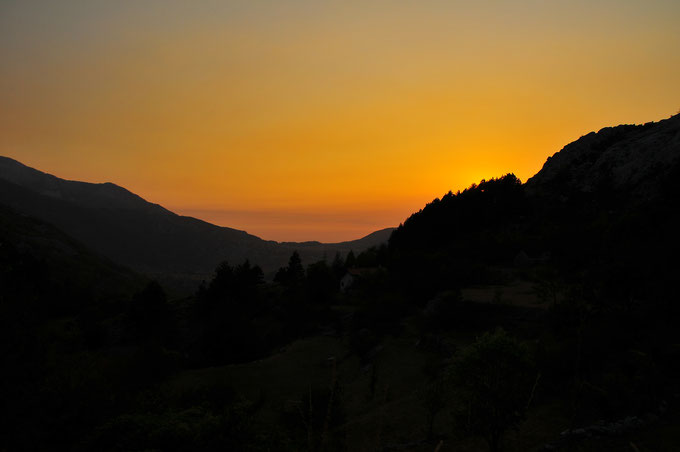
508, 316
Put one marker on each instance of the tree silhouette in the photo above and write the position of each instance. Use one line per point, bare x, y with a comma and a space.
294, 274
338, 266
350, 260
321, 282
493, 380
149, 317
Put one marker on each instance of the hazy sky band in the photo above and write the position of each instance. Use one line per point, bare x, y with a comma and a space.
322, 107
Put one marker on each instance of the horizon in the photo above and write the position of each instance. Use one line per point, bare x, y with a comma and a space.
309, 122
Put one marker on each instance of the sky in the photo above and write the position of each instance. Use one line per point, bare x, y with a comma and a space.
322, 120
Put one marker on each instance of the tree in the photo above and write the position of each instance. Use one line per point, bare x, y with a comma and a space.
246, 279
493, 381
224, 316
338, 266
294, 274
350, 260
223, 280
321, 282
149, 315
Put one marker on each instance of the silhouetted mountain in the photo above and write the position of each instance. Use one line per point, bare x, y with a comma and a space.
83, 194
637, 159
375, 238
145, 236
605, 207
452, 241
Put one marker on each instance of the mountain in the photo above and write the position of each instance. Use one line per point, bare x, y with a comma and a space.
375, 238
602, 212
632, 158
145, 236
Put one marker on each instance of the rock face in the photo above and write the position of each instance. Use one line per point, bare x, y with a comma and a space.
634, 158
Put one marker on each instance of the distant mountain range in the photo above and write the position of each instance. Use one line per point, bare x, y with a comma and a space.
147, 237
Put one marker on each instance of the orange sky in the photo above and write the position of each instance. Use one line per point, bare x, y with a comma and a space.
307, 120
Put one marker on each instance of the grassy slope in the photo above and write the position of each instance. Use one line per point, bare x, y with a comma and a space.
394, 418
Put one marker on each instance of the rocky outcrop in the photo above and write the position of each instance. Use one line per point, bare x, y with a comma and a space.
634, 158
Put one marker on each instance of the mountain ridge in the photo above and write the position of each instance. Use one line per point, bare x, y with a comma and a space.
604, 206
630, 157
124, 227
70, 190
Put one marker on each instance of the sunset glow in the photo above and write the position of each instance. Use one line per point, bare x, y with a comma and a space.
301, 120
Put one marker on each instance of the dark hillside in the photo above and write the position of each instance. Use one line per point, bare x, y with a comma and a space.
132, 231
146, 237
605, 203
32, 248
452, 241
